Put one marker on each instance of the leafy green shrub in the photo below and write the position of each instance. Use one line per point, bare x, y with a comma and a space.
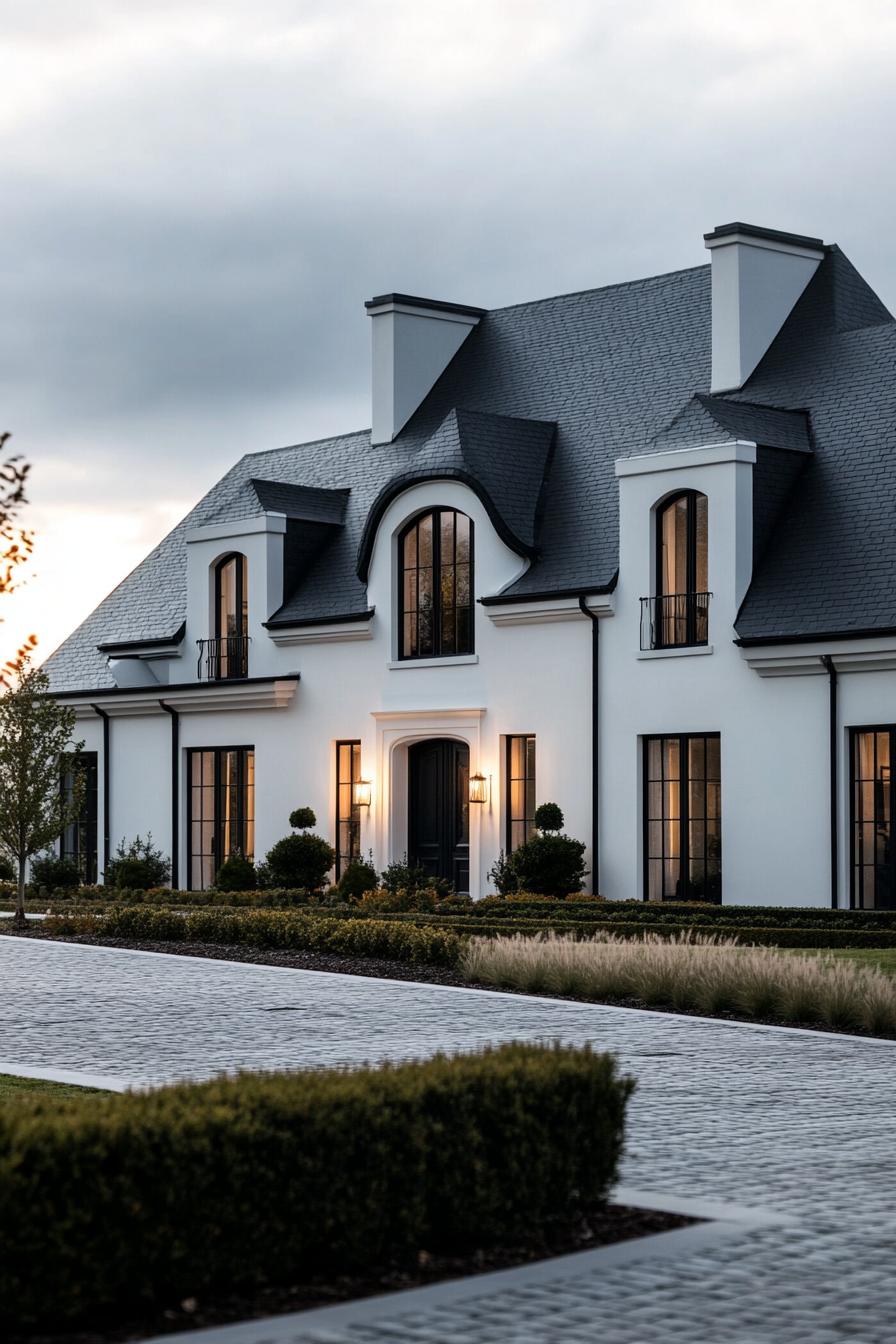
547, 865
298, 860
52, 872
302, 818
236, 874
110, 1204
548, 817
409, 878
7, 871
138, 865
419, 898
357, 878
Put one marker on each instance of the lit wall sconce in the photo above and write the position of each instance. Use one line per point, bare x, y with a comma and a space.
361, 793
478, 789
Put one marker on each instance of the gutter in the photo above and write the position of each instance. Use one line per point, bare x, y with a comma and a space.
106, 785
595, 741
175, 792
821, 637
828, 662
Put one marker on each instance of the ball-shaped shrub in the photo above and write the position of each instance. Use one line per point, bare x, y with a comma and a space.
548, 865
138, 866
236, 874
7, 871
356, 878
299, 861
548, 817
48, 871
302, 818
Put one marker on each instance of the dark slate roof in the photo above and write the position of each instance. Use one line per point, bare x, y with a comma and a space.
611, 368
301, 502
830, 564
504, 458
706, 419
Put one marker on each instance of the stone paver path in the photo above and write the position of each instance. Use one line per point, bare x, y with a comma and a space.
800, 1123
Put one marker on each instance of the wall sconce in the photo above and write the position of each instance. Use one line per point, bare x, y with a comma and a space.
478, 789
361, 793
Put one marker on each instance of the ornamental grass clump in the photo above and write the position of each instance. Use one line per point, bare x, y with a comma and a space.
693, 972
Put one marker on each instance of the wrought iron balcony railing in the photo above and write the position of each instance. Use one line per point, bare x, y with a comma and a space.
675, 620
223, 659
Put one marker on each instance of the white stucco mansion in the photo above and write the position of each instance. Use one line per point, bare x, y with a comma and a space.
630, 550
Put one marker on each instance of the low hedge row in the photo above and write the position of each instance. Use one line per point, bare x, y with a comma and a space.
268, 929
809, 936
110, 1204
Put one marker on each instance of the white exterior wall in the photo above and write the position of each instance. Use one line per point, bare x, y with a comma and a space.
532, 678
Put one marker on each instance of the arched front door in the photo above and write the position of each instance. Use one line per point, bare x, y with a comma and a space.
439, 810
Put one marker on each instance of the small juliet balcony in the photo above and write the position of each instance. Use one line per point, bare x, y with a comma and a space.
223, 659
675, 621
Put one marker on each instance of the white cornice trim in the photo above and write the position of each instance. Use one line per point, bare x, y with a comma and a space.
553, 609
414, 715
701, 455
321, 634
804, 660
237, 527
204, 698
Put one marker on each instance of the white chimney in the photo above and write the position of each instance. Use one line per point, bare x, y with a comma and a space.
414, 341
757, 277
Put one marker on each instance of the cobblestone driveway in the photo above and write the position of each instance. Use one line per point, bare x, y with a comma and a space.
804, 1124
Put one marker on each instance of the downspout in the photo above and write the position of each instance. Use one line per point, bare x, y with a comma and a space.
175, 793
106, 786
828, 662
595, 742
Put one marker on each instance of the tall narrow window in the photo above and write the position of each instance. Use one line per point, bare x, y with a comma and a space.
683, 818
230, 652
79, 840
436, 602
682, 601
520, 790
873, 853
348, 812
222, 810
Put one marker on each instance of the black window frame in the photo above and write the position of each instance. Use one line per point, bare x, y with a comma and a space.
684, 857
436, 515
230, 653
509, 779
855, 823
79, 841
696, 612
245, 816
353, 818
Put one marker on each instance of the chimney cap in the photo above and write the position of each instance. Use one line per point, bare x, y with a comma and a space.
772, 235
414, 301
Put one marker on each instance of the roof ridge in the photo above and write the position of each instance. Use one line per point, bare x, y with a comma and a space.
599, 289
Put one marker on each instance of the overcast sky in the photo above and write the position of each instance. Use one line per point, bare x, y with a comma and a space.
198, 198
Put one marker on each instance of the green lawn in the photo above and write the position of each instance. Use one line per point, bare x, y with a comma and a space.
12, 1087
884, 957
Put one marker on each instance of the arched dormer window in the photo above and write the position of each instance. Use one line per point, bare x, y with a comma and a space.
681, 615
230, 650
436, 585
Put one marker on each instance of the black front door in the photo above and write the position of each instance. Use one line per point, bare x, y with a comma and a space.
439, 810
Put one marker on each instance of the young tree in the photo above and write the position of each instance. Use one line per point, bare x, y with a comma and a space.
15, 541
36, 751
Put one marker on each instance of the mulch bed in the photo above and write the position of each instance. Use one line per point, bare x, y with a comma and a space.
602, 1227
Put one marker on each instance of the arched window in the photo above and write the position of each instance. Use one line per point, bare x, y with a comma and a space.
436, 592
682, 602
231, 646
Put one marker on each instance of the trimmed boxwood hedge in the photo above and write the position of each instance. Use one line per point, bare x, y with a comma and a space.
110, 1204
268, 929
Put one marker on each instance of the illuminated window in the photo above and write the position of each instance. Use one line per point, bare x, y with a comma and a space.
520, 790
79, 840
681, 615
348, 812
683, 818
231, 648
222, 810
873, 855
436, 601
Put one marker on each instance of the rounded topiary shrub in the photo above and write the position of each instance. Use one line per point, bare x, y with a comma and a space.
357, 878
548, 817
48, 871
547, 865
236, 874
299, 861
302, 818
